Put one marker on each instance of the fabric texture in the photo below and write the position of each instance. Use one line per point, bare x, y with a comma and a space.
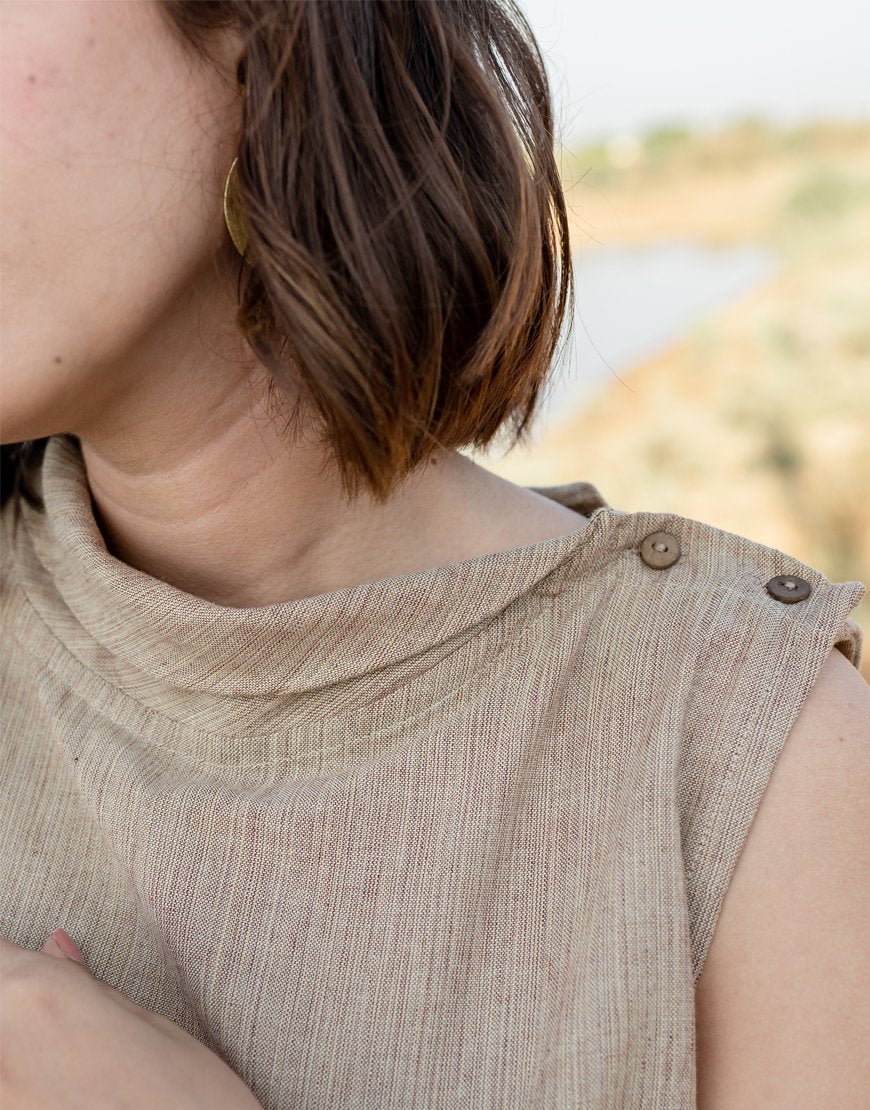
457, 838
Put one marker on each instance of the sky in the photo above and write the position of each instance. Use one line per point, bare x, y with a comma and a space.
619, 66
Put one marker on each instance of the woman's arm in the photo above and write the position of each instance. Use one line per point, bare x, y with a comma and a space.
783, 1001
68, 1039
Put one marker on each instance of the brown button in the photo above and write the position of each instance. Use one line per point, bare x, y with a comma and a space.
660, 549
788, 588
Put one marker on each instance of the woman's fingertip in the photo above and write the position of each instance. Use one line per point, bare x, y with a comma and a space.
52, 948
67, 945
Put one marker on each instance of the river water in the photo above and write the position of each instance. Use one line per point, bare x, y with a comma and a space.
633, 302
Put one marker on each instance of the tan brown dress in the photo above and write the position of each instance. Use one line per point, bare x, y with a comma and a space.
455, 839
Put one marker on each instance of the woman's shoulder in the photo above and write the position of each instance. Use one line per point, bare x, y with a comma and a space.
711, 645
509, 515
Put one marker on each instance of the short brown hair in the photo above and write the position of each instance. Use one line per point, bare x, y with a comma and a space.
407, 225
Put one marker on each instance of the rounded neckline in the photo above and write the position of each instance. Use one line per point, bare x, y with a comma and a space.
135, 629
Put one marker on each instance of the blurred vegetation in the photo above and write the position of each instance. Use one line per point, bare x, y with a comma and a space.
825, 194
630, 159
757, 420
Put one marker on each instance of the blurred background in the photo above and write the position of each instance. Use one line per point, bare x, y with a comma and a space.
716, 163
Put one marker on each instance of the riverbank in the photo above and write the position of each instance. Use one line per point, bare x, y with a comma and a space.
756, 421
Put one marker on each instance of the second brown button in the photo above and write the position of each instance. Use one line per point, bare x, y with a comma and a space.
660, 549
788, 588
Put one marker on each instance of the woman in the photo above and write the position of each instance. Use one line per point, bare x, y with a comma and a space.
361, 776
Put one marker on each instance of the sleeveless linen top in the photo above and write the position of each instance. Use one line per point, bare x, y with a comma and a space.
457, 838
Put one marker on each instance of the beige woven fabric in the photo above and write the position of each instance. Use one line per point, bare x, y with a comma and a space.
455, 839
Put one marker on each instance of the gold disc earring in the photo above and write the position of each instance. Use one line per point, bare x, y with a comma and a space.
234, 217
